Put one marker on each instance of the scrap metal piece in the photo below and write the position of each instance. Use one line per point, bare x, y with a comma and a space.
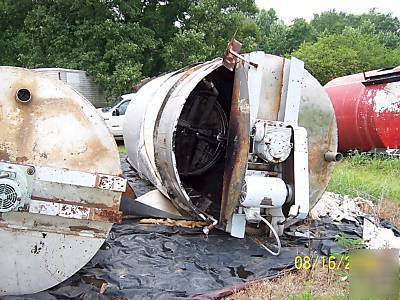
151, 204
231, 52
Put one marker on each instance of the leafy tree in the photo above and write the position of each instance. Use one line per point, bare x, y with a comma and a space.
11, 35
347, 53
300, 31
265, 19
279, 39
206, 29
90, 35
383, 22
389, 39
276, 41
185, 48
273, 32
385, 26
333, 22
121, 41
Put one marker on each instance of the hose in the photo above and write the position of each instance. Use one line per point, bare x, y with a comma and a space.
4, 175
278, 241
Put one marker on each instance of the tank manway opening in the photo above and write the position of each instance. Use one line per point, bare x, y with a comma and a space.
200, 140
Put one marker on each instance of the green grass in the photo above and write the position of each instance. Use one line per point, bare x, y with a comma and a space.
348, 243
373, 177
121, 148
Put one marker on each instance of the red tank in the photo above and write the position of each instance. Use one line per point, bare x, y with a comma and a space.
367, 109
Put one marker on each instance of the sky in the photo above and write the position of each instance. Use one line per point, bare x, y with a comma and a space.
287, 10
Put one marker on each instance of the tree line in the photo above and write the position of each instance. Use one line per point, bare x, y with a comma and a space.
120, 42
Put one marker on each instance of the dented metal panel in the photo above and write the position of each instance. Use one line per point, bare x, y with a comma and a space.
75, 163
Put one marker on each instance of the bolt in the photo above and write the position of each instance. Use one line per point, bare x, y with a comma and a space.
30, 171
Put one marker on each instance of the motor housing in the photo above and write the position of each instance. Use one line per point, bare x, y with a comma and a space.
15, 186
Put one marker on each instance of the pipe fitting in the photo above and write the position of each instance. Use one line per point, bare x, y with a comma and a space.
23, 95
333, 156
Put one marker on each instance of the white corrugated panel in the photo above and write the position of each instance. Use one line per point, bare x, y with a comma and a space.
80, 81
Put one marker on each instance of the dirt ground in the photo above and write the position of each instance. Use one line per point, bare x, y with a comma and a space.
318, 284
390, 211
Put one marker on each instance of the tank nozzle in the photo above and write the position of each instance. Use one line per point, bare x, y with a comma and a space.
333, 156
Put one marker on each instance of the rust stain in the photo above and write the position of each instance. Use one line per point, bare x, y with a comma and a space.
230, 59
4, 155
98, 212
63, 201
173, 223
19, 122
24, 131
129, 192
277, 100
237, 148
21, 159
108, 215
84, 228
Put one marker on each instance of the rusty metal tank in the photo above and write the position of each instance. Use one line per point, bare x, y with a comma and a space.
192, 134
60, 184
367, 108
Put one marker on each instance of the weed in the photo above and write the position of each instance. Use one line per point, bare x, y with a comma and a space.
121, 149
373, 177
348, 243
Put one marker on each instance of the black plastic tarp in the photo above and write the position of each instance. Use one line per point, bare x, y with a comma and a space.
140, 261
154, 261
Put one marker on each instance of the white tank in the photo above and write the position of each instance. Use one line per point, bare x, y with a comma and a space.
60, 183
193, 132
